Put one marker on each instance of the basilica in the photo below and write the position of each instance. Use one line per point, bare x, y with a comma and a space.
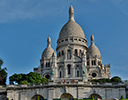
74, 59
70, 70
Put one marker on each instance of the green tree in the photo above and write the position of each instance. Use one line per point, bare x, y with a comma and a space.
34, 77
116, 79
92, 97
31, 78
103, 80
1, 63
37, 98
122, 97
24, 82
3, 74
7, 99
17, 77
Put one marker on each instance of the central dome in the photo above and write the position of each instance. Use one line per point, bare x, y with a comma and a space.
71, 28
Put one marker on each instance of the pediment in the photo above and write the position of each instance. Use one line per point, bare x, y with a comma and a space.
60, 59
77, 59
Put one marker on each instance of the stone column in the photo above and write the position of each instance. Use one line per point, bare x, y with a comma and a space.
56, 72
90, 62
51, 94
96, 60
73, 71
65, 71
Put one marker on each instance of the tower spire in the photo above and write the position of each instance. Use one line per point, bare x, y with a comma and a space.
92, 39
48, 41
71, 13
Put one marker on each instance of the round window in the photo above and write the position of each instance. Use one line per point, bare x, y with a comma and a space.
47, 76
93, 74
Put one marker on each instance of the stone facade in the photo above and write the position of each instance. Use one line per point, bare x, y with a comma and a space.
74, 60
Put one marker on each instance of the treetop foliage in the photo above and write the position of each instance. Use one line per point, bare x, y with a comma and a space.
31, 78
3, 74
115, 79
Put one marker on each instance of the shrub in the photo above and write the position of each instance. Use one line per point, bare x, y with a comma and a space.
38, 98
122, 97
92, 98
7, 99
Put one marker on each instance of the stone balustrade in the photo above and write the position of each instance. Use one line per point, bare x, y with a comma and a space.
68, 83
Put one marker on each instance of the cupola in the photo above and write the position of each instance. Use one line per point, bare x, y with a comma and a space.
48, 52
93, 50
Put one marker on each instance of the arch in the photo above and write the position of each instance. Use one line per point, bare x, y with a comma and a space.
78, 73
60, 74
47, 76
69, 54
60, 71
66, 96
95, 96
77, 69
46, 64
76, 53
69, 69
62, 52
35, 97
88, 63
80, 53
94, 74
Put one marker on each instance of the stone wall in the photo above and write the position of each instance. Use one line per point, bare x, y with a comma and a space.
3, 93
77, 90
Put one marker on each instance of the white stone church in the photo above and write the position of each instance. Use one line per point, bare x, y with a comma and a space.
70, 70
74, 60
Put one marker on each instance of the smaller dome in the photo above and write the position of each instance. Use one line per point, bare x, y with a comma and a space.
48, 52
93, 50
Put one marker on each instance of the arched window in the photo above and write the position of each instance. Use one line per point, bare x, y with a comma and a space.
69, 69
46, 64
62, 52
59, 54
42, 65
77, 71
76, 52
47, 76
60, 68
94, 62
60, 74
87, 62
80, 53
69, 54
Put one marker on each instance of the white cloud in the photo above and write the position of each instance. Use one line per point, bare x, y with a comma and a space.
11, 10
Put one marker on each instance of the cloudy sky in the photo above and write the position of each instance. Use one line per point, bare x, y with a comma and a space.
26, 24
